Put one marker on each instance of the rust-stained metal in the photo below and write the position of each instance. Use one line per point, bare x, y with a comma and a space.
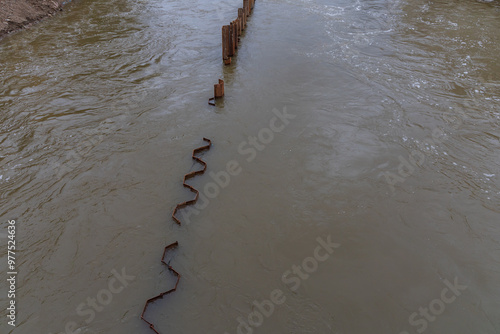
230, 40
219, 89
160, 296
241, 19
191, 175
235, 34
225, 45
231, 32
175, 244
218, 92
238, 32
246, 7
232, 44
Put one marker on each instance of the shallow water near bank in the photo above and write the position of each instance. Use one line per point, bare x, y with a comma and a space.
390, 150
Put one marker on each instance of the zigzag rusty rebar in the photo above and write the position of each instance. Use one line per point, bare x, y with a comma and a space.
175, 244
160, 296
191, 175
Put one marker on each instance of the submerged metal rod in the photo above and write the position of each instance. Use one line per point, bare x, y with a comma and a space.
191, 175
160, 296
175, 244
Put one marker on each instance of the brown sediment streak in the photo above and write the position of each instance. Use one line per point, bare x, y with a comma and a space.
160, 296
190, 176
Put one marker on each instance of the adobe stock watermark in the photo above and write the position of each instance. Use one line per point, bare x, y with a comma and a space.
292, 278
250, 149
436, 307
116, 284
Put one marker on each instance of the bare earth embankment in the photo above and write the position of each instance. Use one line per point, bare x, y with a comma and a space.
19, 14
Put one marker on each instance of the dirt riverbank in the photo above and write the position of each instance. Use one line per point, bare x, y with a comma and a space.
19, 14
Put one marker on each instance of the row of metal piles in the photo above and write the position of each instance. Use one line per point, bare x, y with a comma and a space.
230, 38
231, 32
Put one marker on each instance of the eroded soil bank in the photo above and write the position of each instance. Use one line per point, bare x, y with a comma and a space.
19, 14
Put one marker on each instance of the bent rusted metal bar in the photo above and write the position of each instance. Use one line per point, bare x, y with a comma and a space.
191, 175
160, 296
218, 92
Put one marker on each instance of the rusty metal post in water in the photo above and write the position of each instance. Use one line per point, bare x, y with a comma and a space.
236, 39
232, 46
225, 45
246, 7
218, 92
240, 17
219, 89
238, 28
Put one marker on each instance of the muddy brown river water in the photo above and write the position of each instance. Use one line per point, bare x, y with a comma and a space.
353, 185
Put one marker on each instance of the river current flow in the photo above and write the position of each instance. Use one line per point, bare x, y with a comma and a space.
352, 184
